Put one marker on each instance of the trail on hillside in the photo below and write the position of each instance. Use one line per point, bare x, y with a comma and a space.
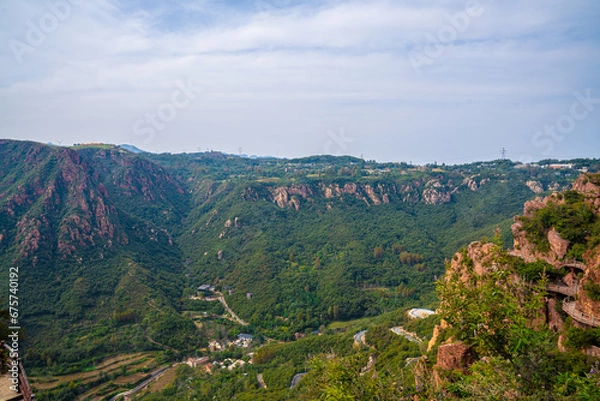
235, 317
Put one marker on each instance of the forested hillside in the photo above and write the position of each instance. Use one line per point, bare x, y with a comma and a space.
112, 245
514, 324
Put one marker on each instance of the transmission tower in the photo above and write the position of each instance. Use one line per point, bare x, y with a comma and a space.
503, 154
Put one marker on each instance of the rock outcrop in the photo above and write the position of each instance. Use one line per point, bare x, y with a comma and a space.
535, 186
455, 356
589, 186
555, 321
529, 251
432, 192
476, 260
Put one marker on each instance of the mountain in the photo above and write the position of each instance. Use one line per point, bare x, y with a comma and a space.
515, 323
112, 244
132, 148
88, 230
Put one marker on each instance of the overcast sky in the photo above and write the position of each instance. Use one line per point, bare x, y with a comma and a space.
404, 80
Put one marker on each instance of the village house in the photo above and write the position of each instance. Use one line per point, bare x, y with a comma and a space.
206, 288
215, 345
243, 341
195, 362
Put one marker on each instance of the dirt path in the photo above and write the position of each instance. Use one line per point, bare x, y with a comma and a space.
221, 299
261, 381
231, 312
160, 345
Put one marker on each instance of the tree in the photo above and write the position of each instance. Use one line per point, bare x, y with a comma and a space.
378, 252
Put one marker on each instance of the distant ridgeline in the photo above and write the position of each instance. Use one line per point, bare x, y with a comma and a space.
112, 244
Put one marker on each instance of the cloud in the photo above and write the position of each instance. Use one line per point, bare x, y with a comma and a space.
276, 79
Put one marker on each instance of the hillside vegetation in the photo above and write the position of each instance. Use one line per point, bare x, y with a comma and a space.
503, 331
111, 245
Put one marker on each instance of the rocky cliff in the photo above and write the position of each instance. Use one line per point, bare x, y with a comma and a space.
585, 268
431, 191
59, 201
573, 214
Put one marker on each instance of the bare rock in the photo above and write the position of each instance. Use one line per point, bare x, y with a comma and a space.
437, 330
555, 321
558, 245
434, 196
371, 193
479, 256
456, 356
535, 186
589, 185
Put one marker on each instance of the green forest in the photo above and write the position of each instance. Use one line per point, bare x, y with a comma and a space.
113, 246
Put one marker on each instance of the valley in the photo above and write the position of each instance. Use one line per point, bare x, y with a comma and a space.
299, 256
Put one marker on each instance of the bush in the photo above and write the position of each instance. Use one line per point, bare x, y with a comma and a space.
592, 290
582, 338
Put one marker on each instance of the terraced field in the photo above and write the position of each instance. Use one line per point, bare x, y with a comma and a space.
114, 374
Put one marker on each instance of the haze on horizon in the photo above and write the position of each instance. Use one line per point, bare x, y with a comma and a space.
420, 81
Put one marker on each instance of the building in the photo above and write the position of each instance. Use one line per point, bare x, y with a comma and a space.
243, 341
558, 166
206, 288
215, 345
195, 362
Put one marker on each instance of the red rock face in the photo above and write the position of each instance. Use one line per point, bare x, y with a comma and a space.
372, 195
590, 187
523, 248
454, 356
529, 251
64, 205
479, 254
558, 245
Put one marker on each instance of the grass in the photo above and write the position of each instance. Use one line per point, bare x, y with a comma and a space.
165, 380
358, 323
93, 146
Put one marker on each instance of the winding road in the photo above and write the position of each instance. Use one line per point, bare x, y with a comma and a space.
359, 338
399, 330
418, 313
297, 379
153, 376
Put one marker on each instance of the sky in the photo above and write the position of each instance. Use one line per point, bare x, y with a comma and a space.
421, 81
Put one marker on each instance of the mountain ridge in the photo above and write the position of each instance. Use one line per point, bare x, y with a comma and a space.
312, 240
